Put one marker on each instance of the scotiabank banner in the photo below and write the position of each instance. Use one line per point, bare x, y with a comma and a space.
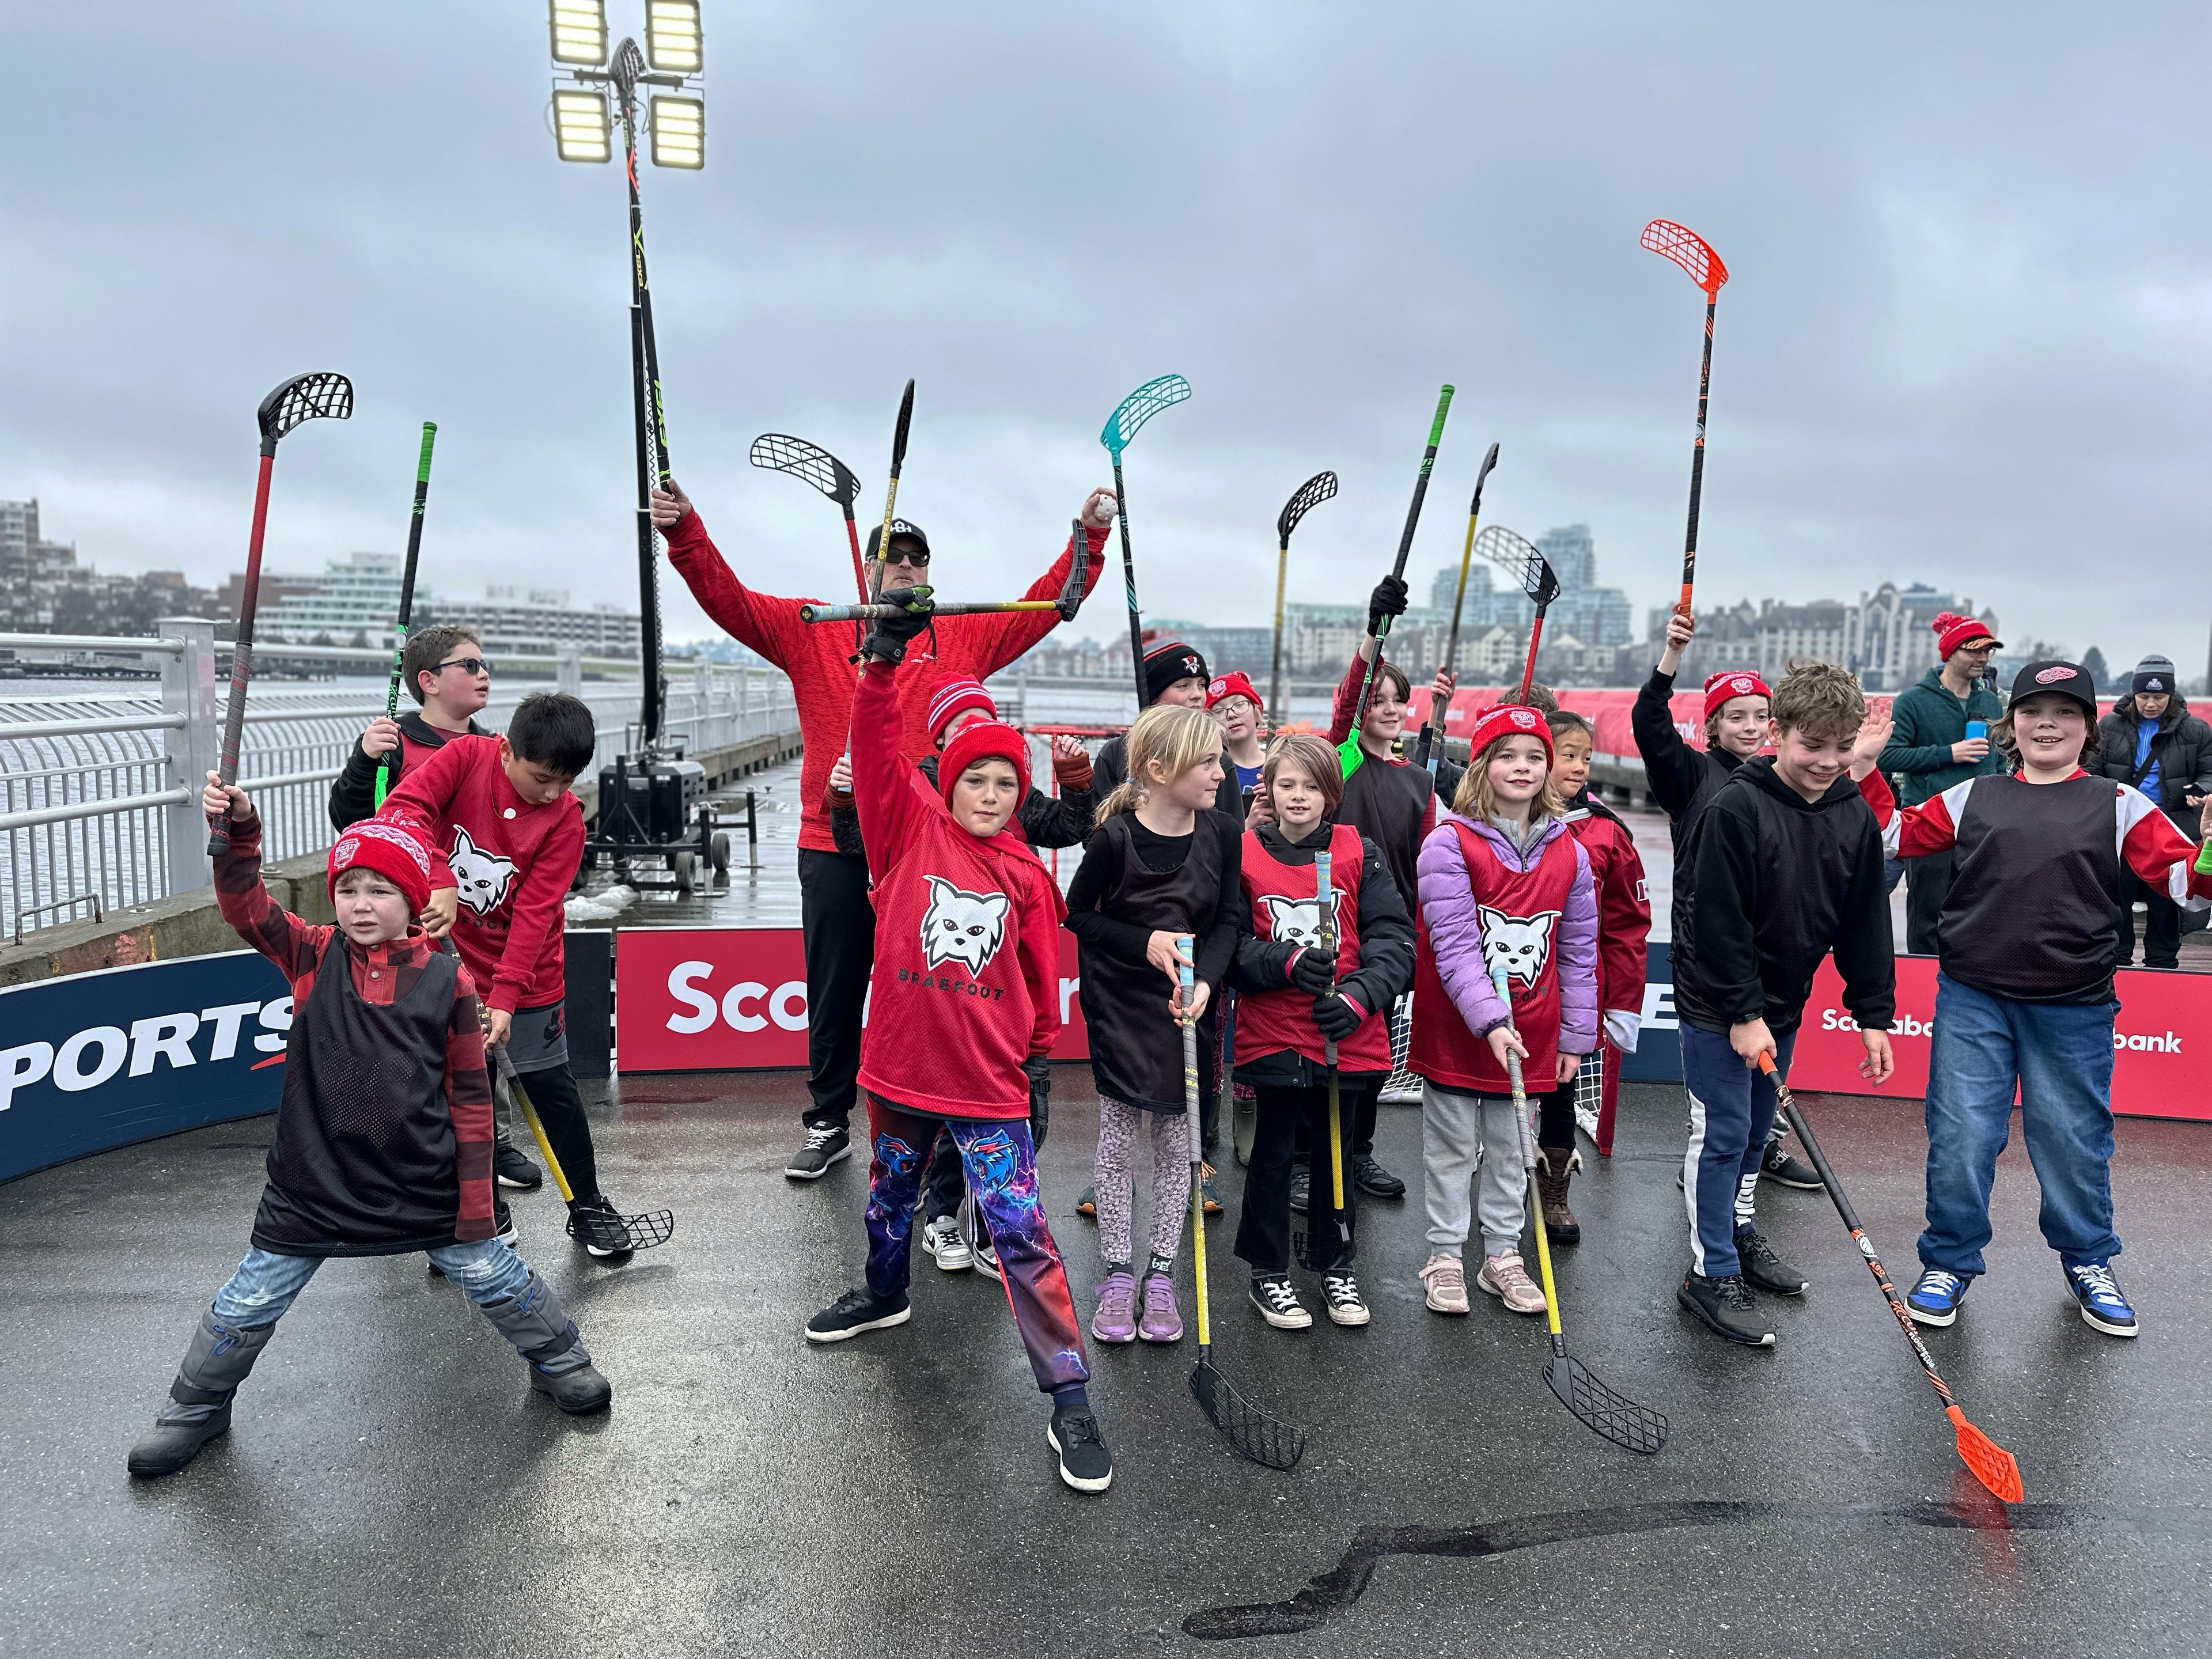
1607, 712
2163, 1018
734, 999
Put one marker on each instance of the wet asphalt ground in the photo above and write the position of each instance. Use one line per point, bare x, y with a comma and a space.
392, 1487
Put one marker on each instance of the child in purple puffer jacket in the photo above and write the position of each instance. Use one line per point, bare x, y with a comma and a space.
1504, 885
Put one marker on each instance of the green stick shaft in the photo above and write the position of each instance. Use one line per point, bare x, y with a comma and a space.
388, 773
1350, 751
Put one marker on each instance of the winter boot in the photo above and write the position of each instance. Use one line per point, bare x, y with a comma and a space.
219, 1358
533, 1320
1555, 1168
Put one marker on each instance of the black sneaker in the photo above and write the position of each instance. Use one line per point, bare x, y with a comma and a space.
1726, 1308
1763, 1270
1084, 1463
1301, 1183
173, 1445
1374, 1180
510, 1168
1778, 1166
1277, 1300
576, 1391
856, 1311
595, 1223
1340, 1290
826, 1144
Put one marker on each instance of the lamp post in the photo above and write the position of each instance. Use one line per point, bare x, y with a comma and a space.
674, 58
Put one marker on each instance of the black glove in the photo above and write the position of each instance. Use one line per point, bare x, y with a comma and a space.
1039, 1071
1337, 1015
1313, 970
887, 639
1388, 599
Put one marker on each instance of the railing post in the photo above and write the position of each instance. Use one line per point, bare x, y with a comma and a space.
568, 670
190, 751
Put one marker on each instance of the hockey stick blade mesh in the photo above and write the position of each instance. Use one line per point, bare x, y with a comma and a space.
1310, 495
1601, 1410
320, 397
1261, 1438
1688, 250
809, 463
1517, 556
654, 1227
1986, 1461
1140, 406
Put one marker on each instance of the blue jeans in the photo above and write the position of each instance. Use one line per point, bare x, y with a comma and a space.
266, 1284
2060, 1058
1731, 1109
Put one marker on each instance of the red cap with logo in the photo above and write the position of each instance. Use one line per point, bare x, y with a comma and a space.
1952, 631
1731, 684
1508, 719
978, 740
1235, 683
374, 844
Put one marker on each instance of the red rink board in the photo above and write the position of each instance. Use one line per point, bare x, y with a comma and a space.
734, 999
2163, 1018
1607, 711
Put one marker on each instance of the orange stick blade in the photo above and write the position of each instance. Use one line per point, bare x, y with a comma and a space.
1986, 1461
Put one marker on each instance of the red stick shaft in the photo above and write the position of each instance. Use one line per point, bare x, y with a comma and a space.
241, 655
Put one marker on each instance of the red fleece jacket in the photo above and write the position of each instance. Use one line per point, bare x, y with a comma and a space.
818, 657
511, 861
966, 983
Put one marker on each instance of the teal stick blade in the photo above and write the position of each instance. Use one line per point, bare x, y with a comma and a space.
1140, 406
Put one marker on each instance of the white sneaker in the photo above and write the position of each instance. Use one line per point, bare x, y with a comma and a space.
977, 1237
941, 1239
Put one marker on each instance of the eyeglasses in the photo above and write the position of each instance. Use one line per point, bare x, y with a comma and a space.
918, 557
470, 666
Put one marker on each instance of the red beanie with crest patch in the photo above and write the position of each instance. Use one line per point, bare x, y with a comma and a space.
980, 740
391, 852
1731, 684
1508, 719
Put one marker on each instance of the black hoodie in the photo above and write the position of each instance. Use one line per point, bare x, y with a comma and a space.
352, 795
1780, 882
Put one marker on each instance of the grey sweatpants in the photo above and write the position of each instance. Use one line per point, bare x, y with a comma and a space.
1466, 1139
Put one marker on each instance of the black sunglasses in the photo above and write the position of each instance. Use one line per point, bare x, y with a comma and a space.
918, 557
470, 666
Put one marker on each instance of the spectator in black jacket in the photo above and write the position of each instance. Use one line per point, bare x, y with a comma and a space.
2151, 740
445, 669
1789, 868
1174, 673
1935, 745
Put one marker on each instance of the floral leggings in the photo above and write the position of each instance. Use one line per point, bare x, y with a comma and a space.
1118, 1126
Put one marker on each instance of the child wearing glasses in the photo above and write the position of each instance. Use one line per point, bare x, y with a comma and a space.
445, 670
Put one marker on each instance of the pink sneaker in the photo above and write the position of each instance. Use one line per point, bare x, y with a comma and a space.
1444, 1280
1116, 1318
1504, 1277
1163, 1320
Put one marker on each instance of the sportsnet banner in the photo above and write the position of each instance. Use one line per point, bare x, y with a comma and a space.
96, 1061
734, 999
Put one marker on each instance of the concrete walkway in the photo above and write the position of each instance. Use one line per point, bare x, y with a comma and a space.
392, 1488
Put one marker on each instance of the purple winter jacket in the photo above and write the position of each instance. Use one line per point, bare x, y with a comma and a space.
1450, 907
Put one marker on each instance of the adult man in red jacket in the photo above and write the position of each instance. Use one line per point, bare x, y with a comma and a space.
838, 922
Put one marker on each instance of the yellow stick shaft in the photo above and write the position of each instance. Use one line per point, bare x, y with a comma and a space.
537, 1130
1335, 1148
1189, 945
1529, 1158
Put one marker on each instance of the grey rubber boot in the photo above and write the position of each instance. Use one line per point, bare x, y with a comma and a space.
198, 1410
543, 1335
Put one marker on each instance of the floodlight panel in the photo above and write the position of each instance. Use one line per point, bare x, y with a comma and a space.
679, 131
580, 31
673, 39
581, 126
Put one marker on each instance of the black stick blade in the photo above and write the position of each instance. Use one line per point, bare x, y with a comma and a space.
654, 1227
809, 463
318, 396
1601, 1410
1261, 1438
1310, 495
898, 434
1516, 556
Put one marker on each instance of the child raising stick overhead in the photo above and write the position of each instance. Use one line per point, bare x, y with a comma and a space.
383, 1141
1163, 865
1505, 884
2028, 938
962, 1007
1294, 1000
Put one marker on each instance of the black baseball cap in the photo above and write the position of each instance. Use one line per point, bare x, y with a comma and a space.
899, 527
2067, 678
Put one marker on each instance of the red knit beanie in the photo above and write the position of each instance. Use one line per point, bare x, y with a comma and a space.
1731, 684
955, 694
973, 742
1235, 683
390, 851
1952, 631
1508, 719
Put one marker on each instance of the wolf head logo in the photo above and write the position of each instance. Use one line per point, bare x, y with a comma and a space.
1297, 922
1519, 945
962, 927
484, 878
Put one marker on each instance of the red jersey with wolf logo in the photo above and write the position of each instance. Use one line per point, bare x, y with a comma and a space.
1521, 914
966, 985
1283, 898
508, 860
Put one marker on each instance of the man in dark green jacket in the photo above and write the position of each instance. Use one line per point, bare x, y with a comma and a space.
1930, 750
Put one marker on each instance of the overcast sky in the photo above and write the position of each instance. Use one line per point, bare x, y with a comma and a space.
1965, 342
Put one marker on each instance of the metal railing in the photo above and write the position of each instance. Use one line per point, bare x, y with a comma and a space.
99, 795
